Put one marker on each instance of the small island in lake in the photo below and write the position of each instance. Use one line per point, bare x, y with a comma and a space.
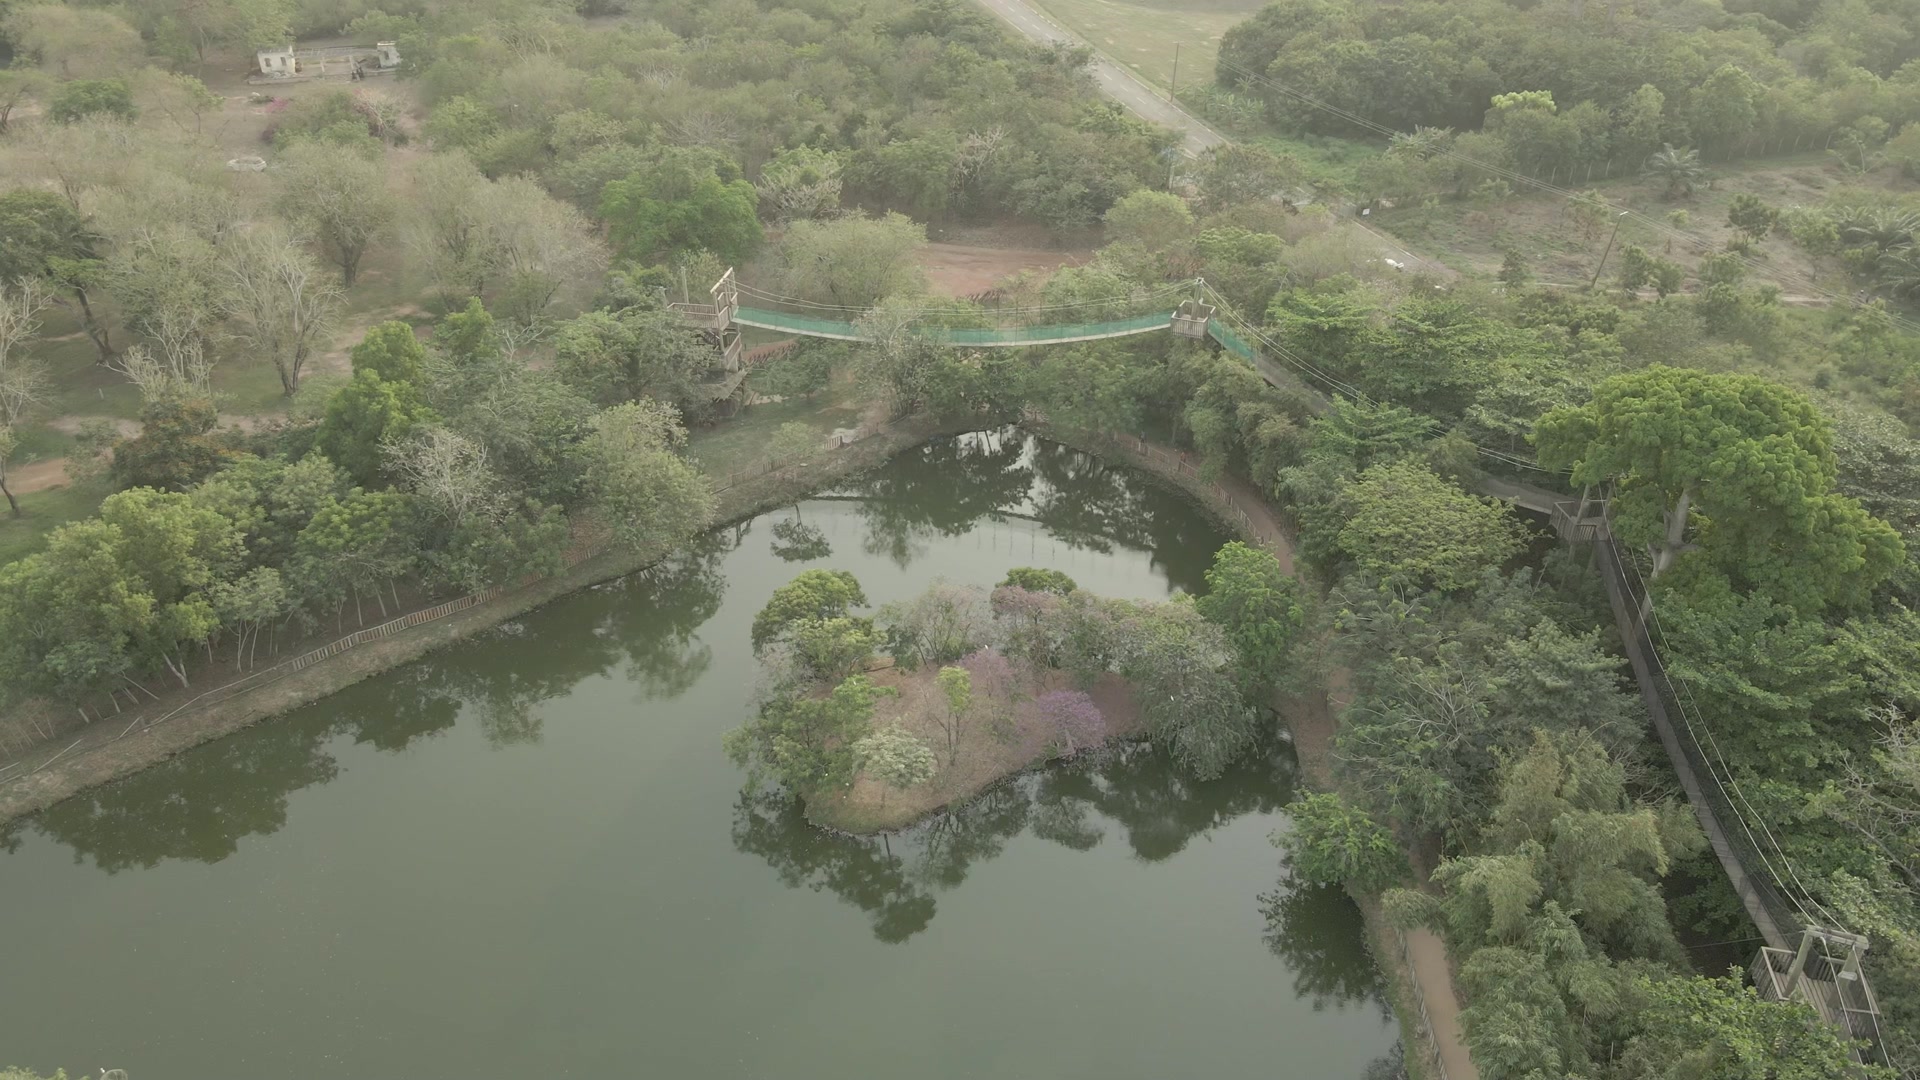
875, 721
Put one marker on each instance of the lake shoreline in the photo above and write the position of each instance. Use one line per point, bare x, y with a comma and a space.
109, 757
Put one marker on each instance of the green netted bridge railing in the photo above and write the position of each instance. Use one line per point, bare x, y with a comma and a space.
1191, 319
984, 337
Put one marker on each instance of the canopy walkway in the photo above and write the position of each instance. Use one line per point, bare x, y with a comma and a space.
1190, 319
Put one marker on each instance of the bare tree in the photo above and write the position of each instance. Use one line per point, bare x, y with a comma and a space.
540, 246
448, 471
448, 230
343, 198
283, 305
23, 379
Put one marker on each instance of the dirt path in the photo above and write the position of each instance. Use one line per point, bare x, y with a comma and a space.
39, 476
1430, 969
1311, 719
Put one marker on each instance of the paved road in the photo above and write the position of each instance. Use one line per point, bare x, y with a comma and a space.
1114, 80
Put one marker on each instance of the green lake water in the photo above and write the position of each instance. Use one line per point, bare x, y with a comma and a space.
526, 856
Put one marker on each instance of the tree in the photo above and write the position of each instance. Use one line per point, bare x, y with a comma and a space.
538, 247
794, 443
284, 310
1036, 579
178, 445
806, 743
1680, 170
206, 24
1721, 1028
939, 626
179, 97
363, 415
1515, 274
392, 351
633, 353
355, 546
448, 472
800, 183
1155, 220
956, 686
692, 210
1753, 457
1181, 667
43, 238
1329, 841
832, 649
76, 42
341, 198
1753, 218
1237, 173
83, 98
814, 594
650, 495
24, 386
896, 757
448, 230
1074, 719
1258, 604
851, 261
17, 86
1406, 525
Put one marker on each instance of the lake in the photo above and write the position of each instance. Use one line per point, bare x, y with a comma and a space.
526, 856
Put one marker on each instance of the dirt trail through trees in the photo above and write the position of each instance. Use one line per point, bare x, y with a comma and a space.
1311, 718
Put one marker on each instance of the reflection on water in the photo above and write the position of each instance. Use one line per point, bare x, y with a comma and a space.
549, 799
1155, 809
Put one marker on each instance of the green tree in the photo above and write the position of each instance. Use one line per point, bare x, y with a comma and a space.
1259, 605
1721, 1028
832, 649
800, 183
363, 414
1155, 220
1406, 525
851, 261
649, 221
896, 757
1330, 841
1181, 667
92, 97
1238, 173
626, 355
642, 486
805, 743
355, 547
392, 351
814, 594
1753, 457
43, 238
956, 686
178, 445
1036, 579
1515, 274
1753, 218
1680, 170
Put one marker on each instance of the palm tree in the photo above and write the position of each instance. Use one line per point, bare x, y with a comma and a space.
1681, 169
1881, 228
1898, 271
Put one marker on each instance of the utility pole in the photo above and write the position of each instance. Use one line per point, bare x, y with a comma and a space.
1603, 255
1174, 83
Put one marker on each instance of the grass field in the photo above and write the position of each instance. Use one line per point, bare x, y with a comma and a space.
1141, 35
45, 511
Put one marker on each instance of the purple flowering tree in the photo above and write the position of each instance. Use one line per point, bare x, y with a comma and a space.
1071, 716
